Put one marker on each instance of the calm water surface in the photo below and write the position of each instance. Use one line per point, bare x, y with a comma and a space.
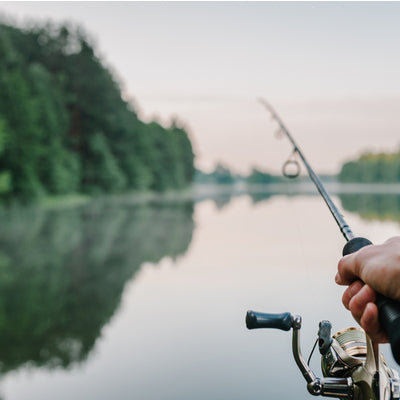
148, 302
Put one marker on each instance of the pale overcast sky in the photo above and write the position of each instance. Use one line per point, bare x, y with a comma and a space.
331, 69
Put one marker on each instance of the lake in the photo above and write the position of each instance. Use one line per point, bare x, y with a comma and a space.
121, 301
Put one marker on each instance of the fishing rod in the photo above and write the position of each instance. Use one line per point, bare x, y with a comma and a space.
351, 364
344, 228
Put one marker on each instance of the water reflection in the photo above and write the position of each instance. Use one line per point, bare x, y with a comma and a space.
260, 197
370, 206
62, 274
222, 201
373, 206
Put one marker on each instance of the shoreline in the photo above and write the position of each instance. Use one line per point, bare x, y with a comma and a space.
200, 192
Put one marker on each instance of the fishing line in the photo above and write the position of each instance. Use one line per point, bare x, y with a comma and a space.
389, 309
290, 173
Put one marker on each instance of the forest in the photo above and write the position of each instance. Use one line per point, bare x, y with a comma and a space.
65, 127
372, 167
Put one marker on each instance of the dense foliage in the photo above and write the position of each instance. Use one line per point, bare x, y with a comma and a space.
370, 167
64, 126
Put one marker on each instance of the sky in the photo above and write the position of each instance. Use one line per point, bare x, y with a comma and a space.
330, 69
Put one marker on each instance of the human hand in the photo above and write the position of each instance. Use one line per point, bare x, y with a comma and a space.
374, 268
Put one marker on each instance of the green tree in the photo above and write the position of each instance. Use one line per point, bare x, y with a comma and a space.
5, 176
68, 127
372, 167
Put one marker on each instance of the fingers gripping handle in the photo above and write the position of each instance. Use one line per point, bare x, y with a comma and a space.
256, 320
355, 244
389, 310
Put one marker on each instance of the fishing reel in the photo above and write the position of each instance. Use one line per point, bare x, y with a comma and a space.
351, 364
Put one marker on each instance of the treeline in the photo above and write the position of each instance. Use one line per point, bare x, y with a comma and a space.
261, 177
64, 126
222, 175
370, 167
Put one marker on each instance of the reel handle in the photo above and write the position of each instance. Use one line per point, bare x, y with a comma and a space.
389, 310
256, 320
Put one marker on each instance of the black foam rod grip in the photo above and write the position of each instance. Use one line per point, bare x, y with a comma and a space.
256, 320
389, 310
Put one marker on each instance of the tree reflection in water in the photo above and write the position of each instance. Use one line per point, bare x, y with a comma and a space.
62, 273
373, 206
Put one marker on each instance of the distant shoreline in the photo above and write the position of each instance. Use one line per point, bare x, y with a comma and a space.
200, 192
297, 188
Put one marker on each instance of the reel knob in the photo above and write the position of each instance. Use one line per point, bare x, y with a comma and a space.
257, 320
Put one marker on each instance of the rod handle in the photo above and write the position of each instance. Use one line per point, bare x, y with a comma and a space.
256, 320
389, 310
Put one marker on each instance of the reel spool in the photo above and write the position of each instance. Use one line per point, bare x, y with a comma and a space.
347, 351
